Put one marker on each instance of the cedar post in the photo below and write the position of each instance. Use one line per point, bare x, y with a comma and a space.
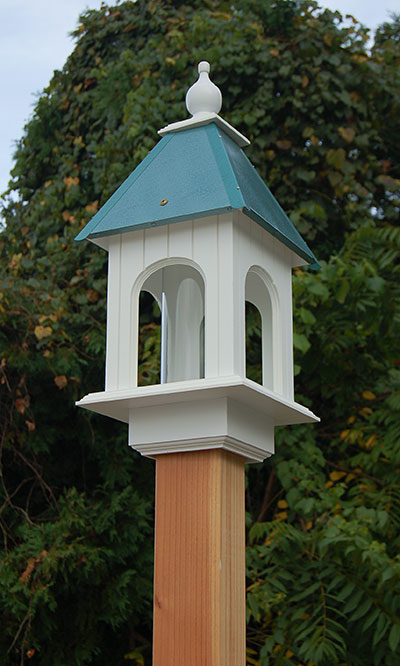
199, 580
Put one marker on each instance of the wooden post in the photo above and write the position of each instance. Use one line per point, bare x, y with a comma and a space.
199, 580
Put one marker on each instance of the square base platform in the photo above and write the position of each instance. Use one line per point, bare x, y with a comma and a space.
231, 413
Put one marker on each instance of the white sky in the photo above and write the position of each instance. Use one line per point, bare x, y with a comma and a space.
34, 41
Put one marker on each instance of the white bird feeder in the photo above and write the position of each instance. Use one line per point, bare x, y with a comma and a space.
196, 227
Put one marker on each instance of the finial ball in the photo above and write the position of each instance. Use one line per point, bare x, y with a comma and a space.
203, 66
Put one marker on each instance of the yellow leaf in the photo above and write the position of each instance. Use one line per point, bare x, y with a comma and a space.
69, 181
30, 425
344, 434
336, 476
283, 144
348, 133
305, 81
282, 504
52, 239
371, 441
308, 525
289, 654
328, 39
281, 515
355, 95
351, 419
368, 395
91, 208
16, 260
61, 381
350, 477
388, 181
328, 484
92, 295
359, 58
136, 657
43, 332
21, 404
365, 411
274, 52
31, 564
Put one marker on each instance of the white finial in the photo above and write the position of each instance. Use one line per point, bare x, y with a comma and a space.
203, 101
203, 96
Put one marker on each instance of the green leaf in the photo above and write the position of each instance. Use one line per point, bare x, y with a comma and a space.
336, 158
371, 618
307, 316
361, 610
394, 637
354, 601
344, 288
301, 342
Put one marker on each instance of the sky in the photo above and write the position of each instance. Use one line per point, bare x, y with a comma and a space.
35, 40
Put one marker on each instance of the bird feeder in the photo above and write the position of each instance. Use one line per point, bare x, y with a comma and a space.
196, 227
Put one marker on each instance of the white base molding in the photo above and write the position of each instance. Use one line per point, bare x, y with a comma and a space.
227, 443
231, 413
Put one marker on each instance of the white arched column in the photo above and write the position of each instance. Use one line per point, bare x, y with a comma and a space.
260, 291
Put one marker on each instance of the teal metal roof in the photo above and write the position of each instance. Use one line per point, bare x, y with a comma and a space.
199, 171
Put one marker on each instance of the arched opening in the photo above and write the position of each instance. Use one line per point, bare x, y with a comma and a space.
149, 341
179, 291
253, 343
259, 330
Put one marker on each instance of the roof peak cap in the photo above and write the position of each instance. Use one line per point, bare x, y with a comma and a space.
204, 101
203, 96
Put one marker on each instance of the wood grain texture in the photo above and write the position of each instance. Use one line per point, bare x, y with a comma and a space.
199, 579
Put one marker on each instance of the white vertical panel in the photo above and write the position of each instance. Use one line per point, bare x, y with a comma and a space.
155, 244
287, 336
205, 254
259, 248
181, 239
238, 291
113, 308
131, 266
226, 286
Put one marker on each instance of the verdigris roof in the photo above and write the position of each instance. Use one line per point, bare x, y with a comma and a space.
194, 173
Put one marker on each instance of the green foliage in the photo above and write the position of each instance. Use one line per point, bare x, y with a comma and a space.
323, 514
